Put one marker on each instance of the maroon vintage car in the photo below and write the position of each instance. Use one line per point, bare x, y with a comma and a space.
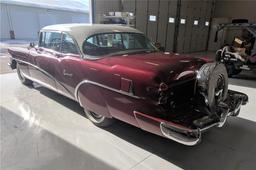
115, 72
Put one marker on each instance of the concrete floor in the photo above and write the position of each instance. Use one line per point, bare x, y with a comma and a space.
43, 130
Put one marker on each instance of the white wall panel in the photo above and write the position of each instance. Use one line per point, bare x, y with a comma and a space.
27, 21
5, 25
46, 19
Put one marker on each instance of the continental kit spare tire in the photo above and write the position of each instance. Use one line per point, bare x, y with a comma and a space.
213, 84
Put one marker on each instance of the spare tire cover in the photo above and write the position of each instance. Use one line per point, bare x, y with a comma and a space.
213, 83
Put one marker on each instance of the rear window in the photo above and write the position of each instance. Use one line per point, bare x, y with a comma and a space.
113, 43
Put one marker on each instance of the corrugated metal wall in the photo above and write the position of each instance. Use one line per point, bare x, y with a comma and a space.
166, 27
160, 30
193, 37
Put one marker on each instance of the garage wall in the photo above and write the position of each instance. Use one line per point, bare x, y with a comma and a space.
160, 30
236, 9
27, 21
103, 6
5, 24
193, 34
182, 38
224, 12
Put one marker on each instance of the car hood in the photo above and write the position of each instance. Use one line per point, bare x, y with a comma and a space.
167, 66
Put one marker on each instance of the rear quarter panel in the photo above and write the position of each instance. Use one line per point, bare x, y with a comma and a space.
21, 54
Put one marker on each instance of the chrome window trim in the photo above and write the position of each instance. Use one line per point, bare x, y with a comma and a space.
76, 44
60, 52
51, 32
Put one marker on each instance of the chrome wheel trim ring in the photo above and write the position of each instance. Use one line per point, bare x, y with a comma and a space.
94, 117
20, 74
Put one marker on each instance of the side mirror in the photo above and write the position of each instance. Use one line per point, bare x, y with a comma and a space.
32, 44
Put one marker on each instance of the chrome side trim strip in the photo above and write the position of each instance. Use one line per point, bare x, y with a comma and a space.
46, 73
47, 86
103, 86
35, 67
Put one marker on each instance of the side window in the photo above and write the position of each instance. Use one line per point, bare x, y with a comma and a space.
93, 40
90, 46
68, 45
51, 40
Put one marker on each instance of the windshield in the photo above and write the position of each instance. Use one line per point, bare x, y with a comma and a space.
109, 44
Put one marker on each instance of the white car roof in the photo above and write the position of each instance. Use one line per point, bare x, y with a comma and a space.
82, 31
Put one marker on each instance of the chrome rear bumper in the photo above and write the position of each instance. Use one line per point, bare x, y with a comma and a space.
192, 137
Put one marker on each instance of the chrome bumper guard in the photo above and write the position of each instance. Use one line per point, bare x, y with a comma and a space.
191, 137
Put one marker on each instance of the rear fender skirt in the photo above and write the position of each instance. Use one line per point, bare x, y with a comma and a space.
89, 94
92, 98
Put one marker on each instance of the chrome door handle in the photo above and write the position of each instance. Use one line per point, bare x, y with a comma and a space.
65, 73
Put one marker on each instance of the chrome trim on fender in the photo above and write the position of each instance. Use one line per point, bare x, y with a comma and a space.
48, 86
42, 83
35, 67
103, 86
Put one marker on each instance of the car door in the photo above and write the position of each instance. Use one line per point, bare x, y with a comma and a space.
68, 70
46, 58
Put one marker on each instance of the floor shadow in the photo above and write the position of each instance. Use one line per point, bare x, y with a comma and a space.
26, 146
232, 147
246, 75
68, 103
